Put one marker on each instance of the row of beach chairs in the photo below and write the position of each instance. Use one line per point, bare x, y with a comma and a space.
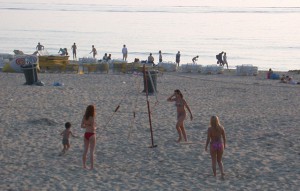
91, 65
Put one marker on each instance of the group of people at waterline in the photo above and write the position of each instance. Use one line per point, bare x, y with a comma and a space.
216, 137
221, 57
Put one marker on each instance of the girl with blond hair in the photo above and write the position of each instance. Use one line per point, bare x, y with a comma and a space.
215, 134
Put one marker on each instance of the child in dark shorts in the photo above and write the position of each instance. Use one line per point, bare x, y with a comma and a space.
66, 135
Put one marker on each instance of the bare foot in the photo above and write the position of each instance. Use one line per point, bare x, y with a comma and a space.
61, 153
223, 176
178, 141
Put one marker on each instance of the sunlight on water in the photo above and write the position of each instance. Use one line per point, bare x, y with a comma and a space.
260, 33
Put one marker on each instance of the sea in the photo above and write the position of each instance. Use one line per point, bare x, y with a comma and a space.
262, 33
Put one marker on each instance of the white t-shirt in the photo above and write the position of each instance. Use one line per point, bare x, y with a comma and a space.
124, 50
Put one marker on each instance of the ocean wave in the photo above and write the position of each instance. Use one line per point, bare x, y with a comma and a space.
141, 9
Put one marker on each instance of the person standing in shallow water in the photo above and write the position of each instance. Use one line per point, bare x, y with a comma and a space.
215, 134
74, 50
225, 59
180, 104
160, 56
94, 51
39, 47
124, 52
178, 58
89, 124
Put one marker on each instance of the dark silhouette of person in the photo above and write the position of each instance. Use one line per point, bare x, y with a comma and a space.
219, 58
178, 58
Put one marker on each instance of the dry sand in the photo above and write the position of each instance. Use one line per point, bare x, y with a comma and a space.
261, 118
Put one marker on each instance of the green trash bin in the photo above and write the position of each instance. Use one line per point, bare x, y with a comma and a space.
30, 72
151, 88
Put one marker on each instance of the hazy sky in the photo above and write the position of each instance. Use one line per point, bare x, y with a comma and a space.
247, 3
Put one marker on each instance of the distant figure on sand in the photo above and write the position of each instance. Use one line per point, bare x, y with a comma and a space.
63, 51
195, 59
269, 74
94, 51
66, 135
290, 80
225, 59
105, 57
151, 59
160, 56
178, 58
74, 49
219, 58
39, 47
180, 104
215, 134
109, 57
89, 124
124, 52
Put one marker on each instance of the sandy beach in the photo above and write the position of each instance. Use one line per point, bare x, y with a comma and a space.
261, 118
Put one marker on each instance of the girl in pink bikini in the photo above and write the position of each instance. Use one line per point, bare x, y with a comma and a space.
215, 134
180, 104
88, 122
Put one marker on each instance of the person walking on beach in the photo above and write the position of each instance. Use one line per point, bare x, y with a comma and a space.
66, 135
219, 59
124, 52
94, 51
89, 124
178, 58
225, 59
195, 59
215, 134
74, 49
159, 56
39, 47
180, 104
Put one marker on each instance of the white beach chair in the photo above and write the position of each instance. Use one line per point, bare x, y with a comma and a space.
168, 66
190, 67
87, 60
212, 69
246, 70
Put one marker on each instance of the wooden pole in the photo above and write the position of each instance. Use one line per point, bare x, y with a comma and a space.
148, 105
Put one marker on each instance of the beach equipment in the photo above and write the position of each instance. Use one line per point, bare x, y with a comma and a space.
134, 104
4, 62
103, 67
212, 69
190, 67
88, 64
57, 84
30, 72
150, 77
53, 62
15, 65
133, 67
118, 65
148, 106
246, 70
275, 76
87, 60
167, 66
